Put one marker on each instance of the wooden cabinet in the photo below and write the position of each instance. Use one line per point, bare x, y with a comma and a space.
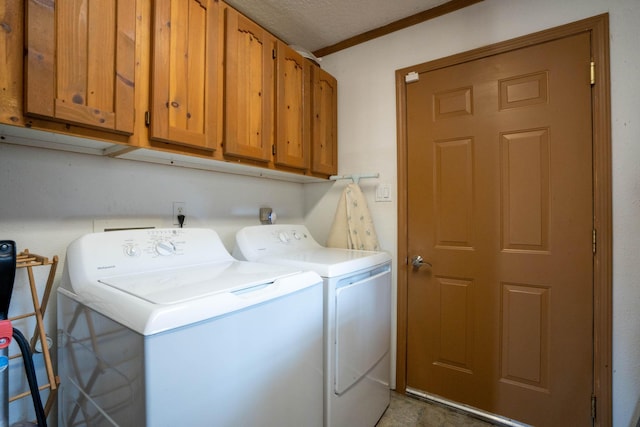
293, 112
249, 88
184, 86
324, 123
215, 85
80, 62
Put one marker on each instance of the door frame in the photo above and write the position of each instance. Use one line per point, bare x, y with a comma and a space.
598, 27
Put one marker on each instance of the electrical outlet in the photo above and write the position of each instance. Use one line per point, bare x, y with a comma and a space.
179, 208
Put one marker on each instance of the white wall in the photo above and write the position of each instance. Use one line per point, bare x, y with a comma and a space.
48, 198
367, 136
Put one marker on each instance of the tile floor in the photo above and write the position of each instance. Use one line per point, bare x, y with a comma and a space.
404, 411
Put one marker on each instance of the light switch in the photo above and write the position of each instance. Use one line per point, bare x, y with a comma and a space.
383, 193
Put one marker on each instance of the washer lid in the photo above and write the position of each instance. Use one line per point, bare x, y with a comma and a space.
162, 300
180, 285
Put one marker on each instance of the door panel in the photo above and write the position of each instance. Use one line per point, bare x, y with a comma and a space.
324, 122
499, 167
292, 108
80, 62
184, 109
249, 83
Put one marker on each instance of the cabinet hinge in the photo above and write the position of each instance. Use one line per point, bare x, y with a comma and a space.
147, 118
273, 53
592, 73
593, 406
273, 150
593, 240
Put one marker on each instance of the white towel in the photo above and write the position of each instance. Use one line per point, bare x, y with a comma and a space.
352, 225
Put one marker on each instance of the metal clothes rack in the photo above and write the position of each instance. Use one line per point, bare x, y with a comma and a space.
27, 260
354, 177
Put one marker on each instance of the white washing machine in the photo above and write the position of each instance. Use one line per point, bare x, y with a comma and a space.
357, 316
163, 327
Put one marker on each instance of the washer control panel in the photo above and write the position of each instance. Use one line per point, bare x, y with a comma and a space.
132, 251
156, 243
165, 242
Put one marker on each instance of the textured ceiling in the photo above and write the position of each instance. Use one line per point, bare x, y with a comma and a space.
314, 24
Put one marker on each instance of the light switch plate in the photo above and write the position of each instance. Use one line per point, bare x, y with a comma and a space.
383, 193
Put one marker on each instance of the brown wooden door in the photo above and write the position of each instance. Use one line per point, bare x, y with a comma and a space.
80, 62
293, 103
184, 89
324, 122
500, 203
249, 88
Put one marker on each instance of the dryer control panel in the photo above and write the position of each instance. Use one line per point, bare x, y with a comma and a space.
262, 240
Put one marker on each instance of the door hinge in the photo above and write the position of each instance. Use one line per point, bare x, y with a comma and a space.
593, 406
593, 240
593, 73
147, 118
273, 150
273, 53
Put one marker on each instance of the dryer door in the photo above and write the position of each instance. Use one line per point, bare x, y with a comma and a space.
363, 326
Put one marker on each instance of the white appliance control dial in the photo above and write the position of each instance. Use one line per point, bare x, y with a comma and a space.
284, 237
132, 250
165, 248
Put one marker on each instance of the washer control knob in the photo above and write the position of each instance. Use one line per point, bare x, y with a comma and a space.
132, 250
165, 248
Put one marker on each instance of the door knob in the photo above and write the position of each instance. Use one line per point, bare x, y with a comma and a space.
417, 262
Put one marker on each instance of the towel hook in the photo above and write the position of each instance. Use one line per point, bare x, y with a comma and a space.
354, 177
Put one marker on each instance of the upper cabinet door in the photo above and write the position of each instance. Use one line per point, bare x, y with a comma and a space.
184, 66
249, 87
293, 123
325, 123
80, 62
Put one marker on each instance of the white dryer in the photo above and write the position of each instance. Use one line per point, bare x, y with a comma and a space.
163, 327
357, 316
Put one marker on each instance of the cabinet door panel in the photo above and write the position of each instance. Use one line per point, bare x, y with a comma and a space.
325, 122
249, 88
183, 87
293, 112
81, 62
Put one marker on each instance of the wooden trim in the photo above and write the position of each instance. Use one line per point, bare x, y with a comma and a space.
39, 67
400, 24
403, 234
603, 259
598, 27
